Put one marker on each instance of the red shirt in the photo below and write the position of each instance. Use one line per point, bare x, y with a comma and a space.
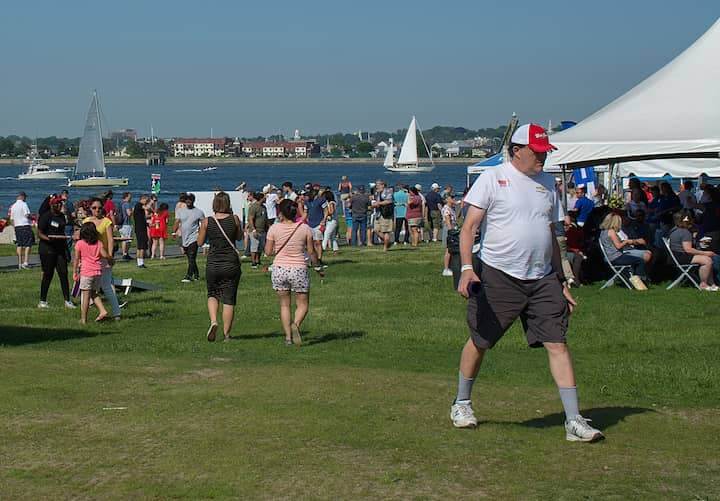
575, 239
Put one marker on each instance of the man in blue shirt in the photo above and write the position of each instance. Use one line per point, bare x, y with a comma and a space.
584, 206
401, 200
316, 216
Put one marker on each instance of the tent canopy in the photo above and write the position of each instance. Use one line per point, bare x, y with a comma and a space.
677, 168
480, 167
673, 113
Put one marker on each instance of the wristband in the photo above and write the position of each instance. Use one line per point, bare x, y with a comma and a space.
466, 267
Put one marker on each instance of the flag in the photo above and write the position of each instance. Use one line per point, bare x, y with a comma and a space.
585, 177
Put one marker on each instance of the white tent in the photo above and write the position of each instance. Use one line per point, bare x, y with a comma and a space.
673, 113
675, 167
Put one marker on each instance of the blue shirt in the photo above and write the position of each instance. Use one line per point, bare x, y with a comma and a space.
401, 200
316, 211
432, 200
584, 206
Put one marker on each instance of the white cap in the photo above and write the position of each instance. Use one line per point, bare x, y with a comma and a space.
434, 186
418, 187
267, 188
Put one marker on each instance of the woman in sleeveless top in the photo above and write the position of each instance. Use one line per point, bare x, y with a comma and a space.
345, 187
289, 241
331, 223
223, 264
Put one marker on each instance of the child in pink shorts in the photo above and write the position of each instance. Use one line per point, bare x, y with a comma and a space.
87, 268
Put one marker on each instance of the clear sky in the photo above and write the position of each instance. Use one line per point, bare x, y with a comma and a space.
246, 68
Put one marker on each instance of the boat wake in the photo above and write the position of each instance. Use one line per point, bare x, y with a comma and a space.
189, 170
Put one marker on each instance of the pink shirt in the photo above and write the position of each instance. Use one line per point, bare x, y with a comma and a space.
293, 254
90, 264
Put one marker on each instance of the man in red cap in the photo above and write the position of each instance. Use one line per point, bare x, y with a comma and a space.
520, 275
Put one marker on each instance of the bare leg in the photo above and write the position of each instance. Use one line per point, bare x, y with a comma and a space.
705, 271
212, 304
446, 260
101, 308
19, 251
285, 313
228, 314
318, 248
386, 241
302, 299
471, 359
27, 255
84, 306
162, 248
561, 366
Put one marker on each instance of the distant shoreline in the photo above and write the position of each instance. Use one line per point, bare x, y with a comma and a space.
140, 162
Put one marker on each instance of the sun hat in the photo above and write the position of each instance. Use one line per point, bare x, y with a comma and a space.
534, 137
434, 186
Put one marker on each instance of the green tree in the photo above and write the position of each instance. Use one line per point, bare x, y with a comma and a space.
135, 150
364, 148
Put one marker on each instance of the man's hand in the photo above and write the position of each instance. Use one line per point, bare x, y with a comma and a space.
570, 299
466, 278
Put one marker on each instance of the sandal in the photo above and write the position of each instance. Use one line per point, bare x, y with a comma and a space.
212, 331
100, 318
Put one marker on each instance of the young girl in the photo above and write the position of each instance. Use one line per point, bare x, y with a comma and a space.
158, 230
88, 268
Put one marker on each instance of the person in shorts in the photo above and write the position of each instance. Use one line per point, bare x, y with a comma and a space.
24, 236
257, 227
317, 214
415, 215
289, 242
520, 275
124, 216
87, 269
384, 206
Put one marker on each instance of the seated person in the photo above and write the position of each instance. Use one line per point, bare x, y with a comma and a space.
681, 245
619, 250
575, 242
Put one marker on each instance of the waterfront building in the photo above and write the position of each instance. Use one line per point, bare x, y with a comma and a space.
200, 147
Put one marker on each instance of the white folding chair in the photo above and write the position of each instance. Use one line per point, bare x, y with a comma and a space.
617, 270
684, 268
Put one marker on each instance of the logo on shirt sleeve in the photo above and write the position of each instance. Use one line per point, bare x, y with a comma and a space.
503, 183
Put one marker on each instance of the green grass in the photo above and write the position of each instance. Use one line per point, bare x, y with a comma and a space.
361, 410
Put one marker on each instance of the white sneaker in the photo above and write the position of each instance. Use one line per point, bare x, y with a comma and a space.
577, 429
447, 272
462, 415
70, 305
186, 280
43, 304
24, 266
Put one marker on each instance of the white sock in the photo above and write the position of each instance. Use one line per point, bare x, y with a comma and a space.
140, 261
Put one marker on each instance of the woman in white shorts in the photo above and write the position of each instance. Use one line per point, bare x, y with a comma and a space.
289, 242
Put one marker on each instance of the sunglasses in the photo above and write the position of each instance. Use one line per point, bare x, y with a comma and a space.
94, 207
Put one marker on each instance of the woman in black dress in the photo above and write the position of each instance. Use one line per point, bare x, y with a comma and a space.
223, 264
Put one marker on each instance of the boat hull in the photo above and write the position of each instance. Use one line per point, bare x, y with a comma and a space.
410, 168
98, 181
39, 176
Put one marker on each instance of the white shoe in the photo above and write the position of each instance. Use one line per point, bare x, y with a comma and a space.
24, 266
577, 429
462, 415
186, 280
70, 305
447, 272
43, 304
711, 288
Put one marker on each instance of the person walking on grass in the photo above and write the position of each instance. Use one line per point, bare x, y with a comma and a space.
330, 237
90, 255
187, 221
415, 215
384, 212
53, 251
400, 198
141, 230
24, 237
290, 242
520, 274
104, 228
317, 213
124, 217
449, 222
222, 272
257, 226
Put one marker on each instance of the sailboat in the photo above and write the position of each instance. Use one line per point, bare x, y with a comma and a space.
90, 167
38, 170
389, 155
408, 160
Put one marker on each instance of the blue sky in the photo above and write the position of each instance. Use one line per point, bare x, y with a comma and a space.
320, 66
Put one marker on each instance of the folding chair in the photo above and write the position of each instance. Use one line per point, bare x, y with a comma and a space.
685, 269
617, 270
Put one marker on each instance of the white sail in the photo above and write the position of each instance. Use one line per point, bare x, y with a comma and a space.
90, 158
408, 152
389, 156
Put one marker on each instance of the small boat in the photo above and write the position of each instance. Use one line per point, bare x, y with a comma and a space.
209, 169
408, 160
90, 168
38, 170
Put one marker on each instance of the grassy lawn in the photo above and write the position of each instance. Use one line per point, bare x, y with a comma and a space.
146, 408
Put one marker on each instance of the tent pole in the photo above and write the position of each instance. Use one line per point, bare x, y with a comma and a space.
564, 194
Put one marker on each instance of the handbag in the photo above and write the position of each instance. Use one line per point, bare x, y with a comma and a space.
232, 244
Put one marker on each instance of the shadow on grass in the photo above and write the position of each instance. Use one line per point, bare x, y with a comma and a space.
335, 262
602, 417
13, 335
333, 336
257, 336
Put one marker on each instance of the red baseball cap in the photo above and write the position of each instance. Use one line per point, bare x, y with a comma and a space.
56, 200
534, 137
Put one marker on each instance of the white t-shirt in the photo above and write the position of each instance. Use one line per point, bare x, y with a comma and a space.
20, 213
516, 237
271, 200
